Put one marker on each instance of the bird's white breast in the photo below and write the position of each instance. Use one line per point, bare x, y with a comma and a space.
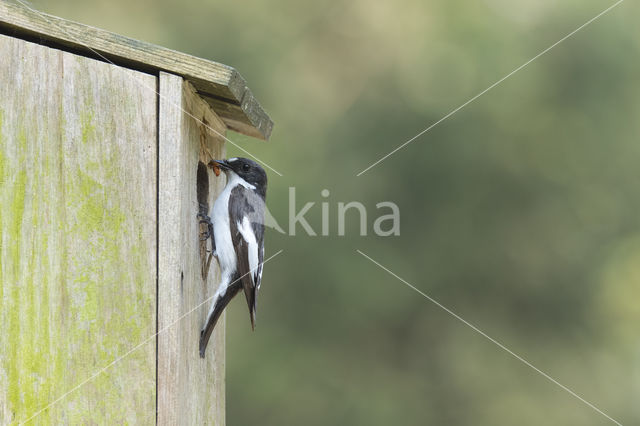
221, 229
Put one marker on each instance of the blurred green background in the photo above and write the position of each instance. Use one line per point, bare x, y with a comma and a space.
519, 213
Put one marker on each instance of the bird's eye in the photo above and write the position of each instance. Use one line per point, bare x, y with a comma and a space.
246, 167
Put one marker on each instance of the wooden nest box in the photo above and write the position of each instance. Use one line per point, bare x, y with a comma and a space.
103, 146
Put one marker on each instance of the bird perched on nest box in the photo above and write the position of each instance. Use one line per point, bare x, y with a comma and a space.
236, 229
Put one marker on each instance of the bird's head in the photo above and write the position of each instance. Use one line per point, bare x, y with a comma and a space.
247, 169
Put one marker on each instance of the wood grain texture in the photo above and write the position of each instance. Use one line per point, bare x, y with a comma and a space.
78, 155
190, 389
211, 79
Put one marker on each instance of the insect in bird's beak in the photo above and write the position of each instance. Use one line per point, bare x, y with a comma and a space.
216, 165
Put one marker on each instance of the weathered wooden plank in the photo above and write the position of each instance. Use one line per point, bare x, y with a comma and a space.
233, 116
209, 78
190, 389
78, 153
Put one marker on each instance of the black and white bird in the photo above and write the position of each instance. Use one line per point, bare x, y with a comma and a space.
238, 238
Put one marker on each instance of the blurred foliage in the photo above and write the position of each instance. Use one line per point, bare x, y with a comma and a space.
519, 212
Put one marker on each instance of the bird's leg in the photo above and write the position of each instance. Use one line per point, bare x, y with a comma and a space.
204, 218
207, 265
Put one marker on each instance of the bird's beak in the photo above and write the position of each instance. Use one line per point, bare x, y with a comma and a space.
220, 163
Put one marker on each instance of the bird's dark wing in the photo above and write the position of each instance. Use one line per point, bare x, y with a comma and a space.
246, 219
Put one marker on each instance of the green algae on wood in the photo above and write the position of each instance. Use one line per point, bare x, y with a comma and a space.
1, 150
2, 179
77, 238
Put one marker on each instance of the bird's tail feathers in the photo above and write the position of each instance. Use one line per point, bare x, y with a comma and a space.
250, 293
220, 302
253, 319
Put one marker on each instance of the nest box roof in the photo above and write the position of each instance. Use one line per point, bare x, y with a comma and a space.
220, 85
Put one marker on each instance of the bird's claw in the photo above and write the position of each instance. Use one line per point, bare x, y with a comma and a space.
209, 232
207, 220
